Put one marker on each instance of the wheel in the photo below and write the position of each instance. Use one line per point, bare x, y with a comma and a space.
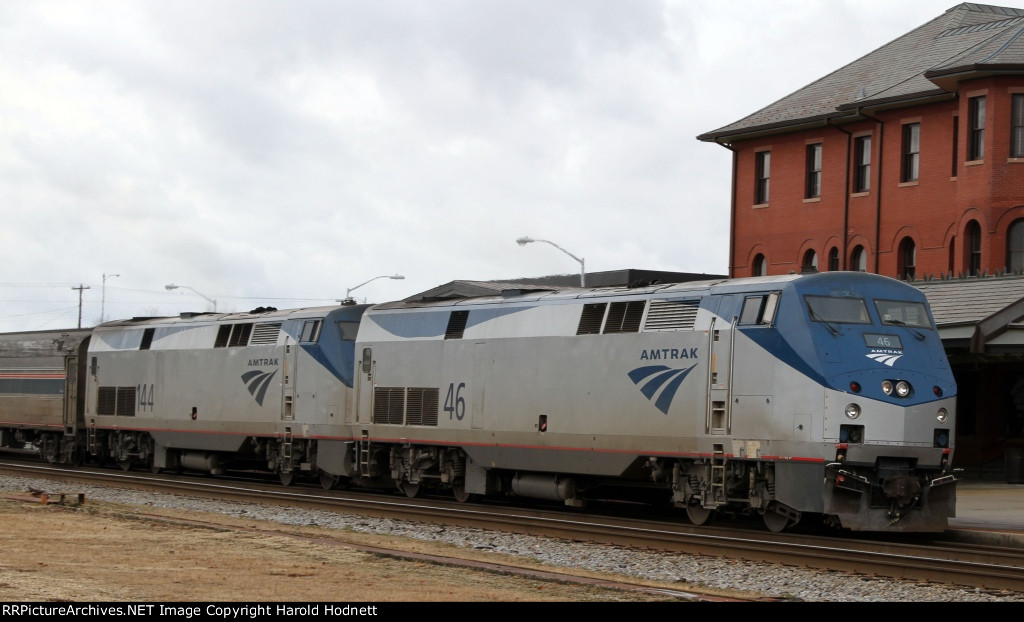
459, 490
776, 522
287, 478
51, 451
328, 481
411, 490
698, 515
126, 464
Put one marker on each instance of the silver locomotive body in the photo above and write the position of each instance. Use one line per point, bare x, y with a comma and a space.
718, 396
212, 391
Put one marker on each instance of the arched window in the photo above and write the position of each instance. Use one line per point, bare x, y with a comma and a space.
907, 259
859, 259
972, 248
810, 262
833, 259
1015, 247
760, 267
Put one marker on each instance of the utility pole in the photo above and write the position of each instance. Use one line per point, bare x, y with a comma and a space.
80, 288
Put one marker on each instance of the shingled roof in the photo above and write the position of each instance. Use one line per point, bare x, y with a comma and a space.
979, 314
925, 63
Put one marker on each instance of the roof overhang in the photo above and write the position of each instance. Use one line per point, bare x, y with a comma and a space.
782, 127
949, 78
846, 113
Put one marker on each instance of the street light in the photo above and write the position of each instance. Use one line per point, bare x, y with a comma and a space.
348, 292
171, 286
103, 296
523, 241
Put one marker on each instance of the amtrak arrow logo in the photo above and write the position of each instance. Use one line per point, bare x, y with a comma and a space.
258, 381
660, 378
884, 357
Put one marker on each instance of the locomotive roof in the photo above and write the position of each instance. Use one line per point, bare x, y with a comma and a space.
256, 315
459, 293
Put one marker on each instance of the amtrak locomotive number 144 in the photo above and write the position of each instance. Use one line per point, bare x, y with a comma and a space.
796, 398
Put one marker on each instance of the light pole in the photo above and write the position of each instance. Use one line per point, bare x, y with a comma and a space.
523, 241
103, 296
348, 292
171, 286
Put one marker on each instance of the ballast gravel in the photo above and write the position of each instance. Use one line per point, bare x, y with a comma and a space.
769, 580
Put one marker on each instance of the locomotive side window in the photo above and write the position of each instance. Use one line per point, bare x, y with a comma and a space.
903, 313
349, 330
836, 309
147, 338
759, 310
310, 331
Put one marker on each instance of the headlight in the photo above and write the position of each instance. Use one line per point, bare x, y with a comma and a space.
902, 388
852, 411
942, 415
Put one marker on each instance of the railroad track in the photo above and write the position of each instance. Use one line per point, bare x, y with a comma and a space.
937, 560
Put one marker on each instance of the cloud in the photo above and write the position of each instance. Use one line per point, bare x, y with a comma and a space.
279, 153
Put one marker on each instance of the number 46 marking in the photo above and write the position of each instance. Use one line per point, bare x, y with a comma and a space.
454, 403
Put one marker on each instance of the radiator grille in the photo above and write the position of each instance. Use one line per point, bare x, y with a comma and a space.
265, 334
388, 404
118, 401
421, 406
672, 315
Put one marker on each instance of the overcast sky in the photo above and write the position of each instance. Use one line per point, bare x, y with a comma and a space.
281, 153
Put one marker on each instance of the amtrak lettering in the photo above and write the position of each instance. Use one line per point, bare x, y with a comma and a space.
263, 362
668, 354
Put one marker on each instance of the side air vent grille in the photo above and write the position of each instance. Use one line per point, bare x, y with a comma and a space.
388, 404
409, 406
456, 324
672, 315
591, 319
624, 317
118, 401
421, 406
265, 334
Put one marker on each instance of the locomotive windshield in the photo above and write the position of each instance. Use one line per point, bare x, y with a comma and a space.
840, 310
903, 313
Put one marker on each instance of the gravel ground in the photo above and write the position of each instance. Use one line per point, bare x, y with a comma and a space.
769, 580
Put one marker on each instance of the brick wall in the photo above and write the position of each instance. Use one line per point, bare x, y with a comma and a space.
933, 212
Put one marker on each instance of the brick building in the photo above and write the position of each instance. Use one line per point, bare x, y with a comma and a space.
907, 162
